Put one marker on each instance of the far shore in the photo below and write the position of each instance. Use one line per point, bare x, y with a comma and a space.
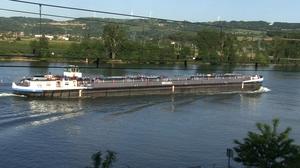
93, 61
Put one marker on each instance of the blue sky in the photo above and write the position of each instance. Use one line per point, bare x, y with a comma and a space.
191, 10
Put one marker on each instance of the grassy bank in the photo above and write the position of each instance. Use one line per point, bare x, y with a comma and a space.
21, 47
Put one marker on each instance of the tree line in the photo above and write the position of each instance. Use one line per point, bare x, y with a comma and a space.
212, 46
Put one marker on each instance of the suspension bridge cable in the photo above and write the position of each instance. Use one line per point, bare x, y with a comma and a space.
113, 13
63, 17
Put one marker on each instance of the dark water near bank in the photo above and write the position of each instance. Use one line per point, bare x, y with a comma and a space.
150, 131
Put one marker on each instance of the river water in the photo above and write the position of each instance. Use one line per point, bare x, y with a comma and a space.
149, 131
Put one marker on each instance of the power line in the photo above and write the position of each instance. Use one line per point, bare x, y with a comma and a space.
91, 10
61, 16
87, 19
74, 18
112, 13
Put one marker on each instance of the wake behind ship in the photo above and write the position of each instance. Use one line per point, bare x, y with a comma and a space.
72, 85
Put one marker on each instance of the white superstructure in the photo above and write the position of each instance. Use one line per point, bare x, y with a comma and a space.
69, 81
72, 71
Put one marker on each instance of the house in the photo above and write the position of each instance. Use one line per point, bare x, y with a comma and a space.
47, 36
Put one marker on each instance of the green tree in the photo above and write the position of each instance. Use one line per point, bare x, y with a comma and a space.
109, 159
185, 52
106, 161
208, 43
87, 49
261, 58
96, 157
40, 47
268, 148
114, 37
278, 49
229, 49
131, 50
165, 54
151, 52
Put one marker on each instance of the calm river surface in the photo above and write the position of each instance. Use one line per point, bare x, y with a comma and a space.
150, 131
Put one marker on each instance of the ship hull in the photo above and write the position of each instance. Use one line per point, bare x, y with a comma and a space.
112, 91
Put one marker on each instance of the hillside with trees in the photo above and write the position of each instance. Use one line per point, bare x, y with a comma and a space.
146, 40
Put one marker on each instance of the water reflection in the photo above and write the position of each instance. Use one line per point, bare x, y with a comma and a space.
55, 106
46, 111
228, 68
113, 72
172, 103
250, 102
287, 68
215, 68
105, 70
43, 68
177, 102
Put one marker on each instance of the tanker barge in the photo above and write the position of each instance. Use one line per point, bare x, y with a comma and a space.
72, 85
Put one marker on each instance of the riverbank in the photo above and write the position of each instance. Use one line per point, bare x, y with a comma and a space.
32, 58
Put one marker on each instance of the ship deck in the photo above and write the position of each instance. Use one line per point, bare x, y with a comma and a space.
127, 83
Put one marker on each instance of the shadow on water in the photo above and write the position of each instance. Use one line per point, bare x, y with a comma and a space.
135, 108
141, 103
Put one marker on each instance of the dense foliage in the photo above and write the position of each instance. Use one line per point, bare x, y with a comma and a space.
268, 148
40, 47
113, 37
100, 161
